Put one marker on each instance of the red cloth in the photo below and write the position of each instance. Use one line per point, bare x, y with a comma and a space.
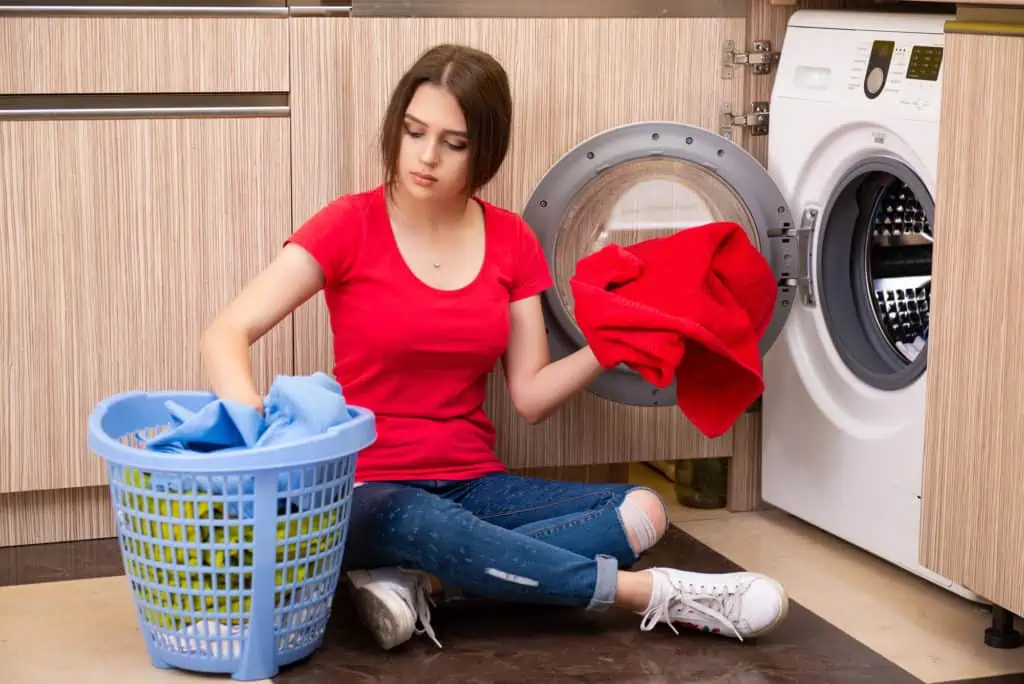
692, 306
418, 357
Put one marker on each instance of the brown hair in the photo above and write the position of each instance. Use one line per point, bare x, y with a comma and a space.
479, 84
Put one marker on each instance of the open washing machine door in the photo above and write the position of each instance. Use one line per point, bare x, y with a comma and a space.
645, 180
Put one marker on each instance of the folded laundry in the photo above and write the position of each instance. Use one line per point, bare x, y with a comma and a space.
690, 307
295, 408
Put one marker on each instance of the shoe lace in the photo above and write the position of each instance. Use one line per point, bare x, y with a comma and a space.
720, 604
422, 602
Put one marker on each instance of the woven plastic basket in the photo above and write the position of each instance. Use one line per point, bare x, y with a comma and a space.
233, 556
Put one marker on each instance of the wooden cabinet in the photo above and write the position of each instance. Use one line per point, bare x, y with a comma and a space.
119, 240
144, 178
973, 512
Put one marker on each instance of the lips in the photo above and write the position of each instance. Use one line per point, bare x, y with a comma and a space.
424, 177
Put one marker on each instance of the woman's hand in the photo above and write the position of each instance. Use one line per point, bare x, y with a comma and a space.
536, 386
253, 399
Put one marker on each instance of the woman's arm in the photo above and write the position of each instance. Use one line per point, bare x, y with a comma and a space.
292, 278
537, 386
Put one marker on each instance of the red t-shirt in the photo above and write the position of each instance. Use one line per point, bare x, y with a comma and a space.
416, 356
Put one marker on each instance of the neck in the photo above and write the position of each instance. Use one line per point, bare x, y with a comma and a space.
433, 214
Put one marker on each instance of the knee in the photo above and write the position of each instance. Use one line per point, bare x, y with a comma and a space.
644, 518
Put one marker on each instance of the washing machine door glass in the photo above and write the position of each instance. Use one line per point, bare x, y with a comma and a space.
636, 201
643, 181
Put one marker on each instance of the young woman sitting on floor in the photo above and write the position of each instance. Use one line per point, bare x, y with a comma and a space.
427, 287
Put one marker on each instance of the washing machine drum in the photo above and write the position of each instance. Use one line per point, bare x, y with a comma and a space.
875, 272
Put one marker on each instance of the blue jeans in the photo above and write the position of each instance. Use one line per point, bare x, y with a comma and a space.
501, 536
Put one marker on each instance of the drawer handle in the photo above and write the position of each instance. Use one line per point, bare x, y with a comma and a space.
311, 8
141, 106
128, 9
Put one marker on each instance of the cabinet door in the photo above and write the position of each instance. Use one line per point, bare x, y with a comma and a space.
973, 512
119, 239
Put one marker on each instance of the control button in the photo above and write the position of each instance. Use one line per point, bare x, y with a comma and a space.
874, 81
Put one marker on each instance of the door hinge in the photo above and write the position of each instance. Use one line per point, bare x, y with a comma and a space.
756, 122
760, 58
796, 245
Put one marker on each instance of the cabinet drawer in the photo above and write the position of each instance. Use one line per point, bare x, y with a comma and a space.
144, 54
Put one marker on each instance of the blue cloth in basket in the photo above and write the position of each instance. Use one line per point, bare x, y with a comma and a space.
295, 408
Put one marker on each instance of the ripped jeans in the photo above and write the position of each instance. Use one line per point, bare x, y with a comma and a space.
500, 536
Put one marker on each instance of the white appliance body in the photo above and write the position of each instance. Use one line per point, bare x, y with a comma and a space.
839, 451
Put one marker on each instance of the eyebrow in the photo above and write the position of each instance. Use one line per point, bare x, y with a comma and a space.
447, 131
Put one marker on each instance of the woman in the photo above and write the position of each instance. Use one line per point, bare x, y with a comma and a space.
427, 287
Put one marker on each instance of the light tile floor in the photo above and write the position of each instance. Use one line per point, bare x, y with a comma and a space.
878, 604
82, 631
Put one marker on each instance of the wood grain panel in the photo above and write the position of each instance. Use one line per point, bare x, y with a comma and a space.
766, 20
596, 474
565, 90
58, 515
119, 240
54, 55
323, 103
745, 465
972, 509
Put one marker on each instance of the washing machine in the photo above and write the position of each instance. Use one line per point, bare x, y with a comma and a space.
844, 217
853, 146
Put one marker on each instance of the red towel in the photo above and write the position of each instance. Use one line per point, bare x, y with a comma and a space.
692, 306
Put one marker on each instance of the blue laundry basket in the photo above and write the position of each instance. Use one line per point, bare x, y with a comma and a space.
233, 557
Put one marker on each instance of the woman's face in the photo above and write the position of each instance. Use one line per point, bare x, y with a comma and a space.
434, 159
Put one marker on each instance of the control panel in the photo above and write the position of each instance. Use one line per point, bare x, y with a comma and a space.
903, 71
898, 71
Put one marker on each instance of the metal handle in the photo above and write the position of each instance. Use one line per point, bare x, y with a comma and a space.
144, 10
138, 112
140, 106
805, 243
320, 10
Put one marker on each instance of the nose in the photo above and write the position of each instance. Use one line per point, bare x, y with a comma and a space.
429, 153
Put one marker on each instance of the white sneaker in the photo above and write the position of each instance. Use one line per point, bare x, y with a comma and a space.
744, 604
391, 601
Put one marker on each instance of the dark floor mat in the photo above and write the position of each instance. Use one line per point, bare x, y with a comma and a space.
485, 643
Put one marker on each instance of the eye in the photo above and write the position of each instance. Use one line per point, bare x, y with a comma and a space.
456, 145
413, 134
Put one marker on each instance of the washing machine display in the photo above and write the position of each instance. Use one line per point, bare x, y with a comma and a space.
925, 63
642, 181
875, 272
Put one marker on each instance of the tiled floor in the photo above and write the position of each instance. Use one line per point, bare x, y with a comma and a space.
66, 615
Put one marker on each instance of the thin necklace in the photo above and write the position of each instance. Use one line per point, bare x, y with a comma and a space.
435, 264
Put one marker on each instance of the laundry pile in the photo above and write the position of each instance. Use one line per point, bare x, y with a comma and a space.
203, 523
691, 307
296, 407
